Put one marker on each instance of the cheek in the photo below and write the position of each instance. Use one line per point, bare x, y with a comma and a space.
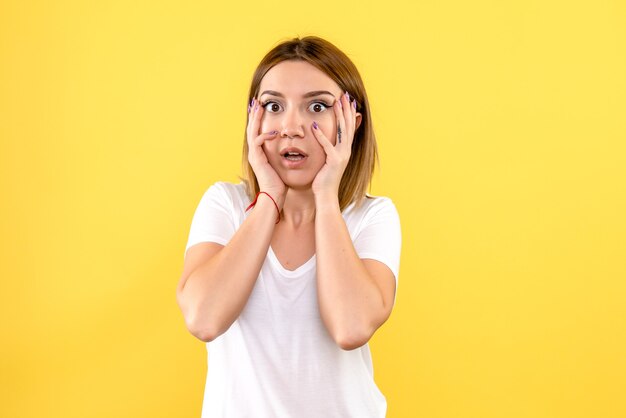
269, 122
329, 129
270, 147
317, 154
264, 124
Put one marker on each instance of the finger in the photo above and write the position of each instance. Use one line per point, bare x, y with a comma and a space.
340, 121
250, 110
259, 140
254, 121
353, 113
349, 117
257, 151
249, 135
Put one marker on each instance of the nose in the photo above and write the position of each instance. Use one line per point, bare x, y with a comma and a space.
291, 124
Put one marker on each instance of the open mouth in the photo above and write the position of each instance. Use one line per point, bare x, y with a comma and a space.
294, 156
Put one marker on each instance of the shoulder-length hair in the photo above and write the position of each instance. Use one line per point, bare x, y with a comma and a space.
334, 63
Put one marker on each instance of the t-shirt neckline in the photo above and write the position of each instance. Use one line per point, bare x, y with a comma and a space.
291, 273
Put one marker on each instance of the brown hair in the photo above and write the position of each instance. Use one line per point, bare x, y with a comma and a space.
334, 63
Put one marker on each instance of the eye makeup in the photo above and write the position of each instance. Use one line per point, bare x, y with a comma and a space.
316, 102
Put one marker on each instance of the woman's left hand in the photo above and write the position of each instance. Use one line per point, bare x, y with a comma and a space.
327, 180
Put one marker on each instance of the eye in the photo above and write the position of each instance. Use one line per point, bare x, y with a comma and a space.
317, 105
271, 107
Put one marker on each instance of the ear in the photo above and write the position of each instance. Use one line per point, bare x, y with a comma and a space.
358, 121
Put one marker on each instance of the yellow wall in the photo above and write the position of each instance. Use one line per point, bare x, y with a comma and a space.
502, 137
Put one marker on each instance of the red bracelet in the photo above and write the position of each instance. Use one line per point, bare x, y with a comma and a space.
254, 203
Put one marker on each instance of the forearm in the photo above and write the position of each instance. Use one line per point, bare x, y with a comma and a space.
348, 296
217, 291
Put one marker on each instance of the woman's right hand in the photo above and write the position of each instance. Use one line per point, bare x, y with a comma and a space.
269, 180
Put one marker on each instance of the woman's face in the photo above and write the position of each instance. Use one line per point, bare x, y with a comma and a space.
294, 94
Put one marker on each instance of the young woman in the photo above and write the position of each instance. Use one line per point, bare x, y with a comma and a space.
288, 274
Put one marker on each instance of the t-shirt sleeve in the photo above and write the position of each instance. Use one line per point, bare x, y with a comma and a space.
380, 237
213, 220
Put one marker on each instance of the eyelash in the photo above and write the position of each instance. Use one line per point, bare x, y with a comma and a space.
327, 106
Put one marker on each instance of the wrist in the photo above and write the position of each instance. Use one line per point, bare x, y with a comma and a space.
266, 200
276, 198
325, 191
326, 201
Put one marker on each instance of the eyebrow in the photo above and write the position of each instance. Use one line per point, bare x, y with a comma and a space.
309, 94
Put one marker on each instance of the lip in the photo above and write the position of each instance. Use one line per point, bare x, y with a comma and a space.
292, 164
292, 149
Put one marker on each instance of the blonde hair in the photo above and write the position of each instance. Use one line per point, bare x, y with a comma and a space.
333, 62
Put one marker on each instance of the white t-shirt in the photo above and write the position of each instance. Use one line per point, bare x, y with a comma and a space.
277, 360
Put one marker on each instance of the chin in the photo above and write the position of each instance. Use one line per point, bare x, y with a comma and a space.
300, 188
298, 185
297, 180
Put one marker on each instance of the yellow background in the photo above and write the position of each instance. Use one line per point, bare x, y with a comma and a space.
502, 135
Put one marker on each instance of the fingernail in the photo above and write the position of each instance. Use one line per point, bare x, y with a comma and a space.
354, 104
273, 132
347, 95
314, 125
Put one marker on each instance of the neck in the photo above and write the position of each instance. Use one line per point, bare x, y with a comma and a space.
299, 207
